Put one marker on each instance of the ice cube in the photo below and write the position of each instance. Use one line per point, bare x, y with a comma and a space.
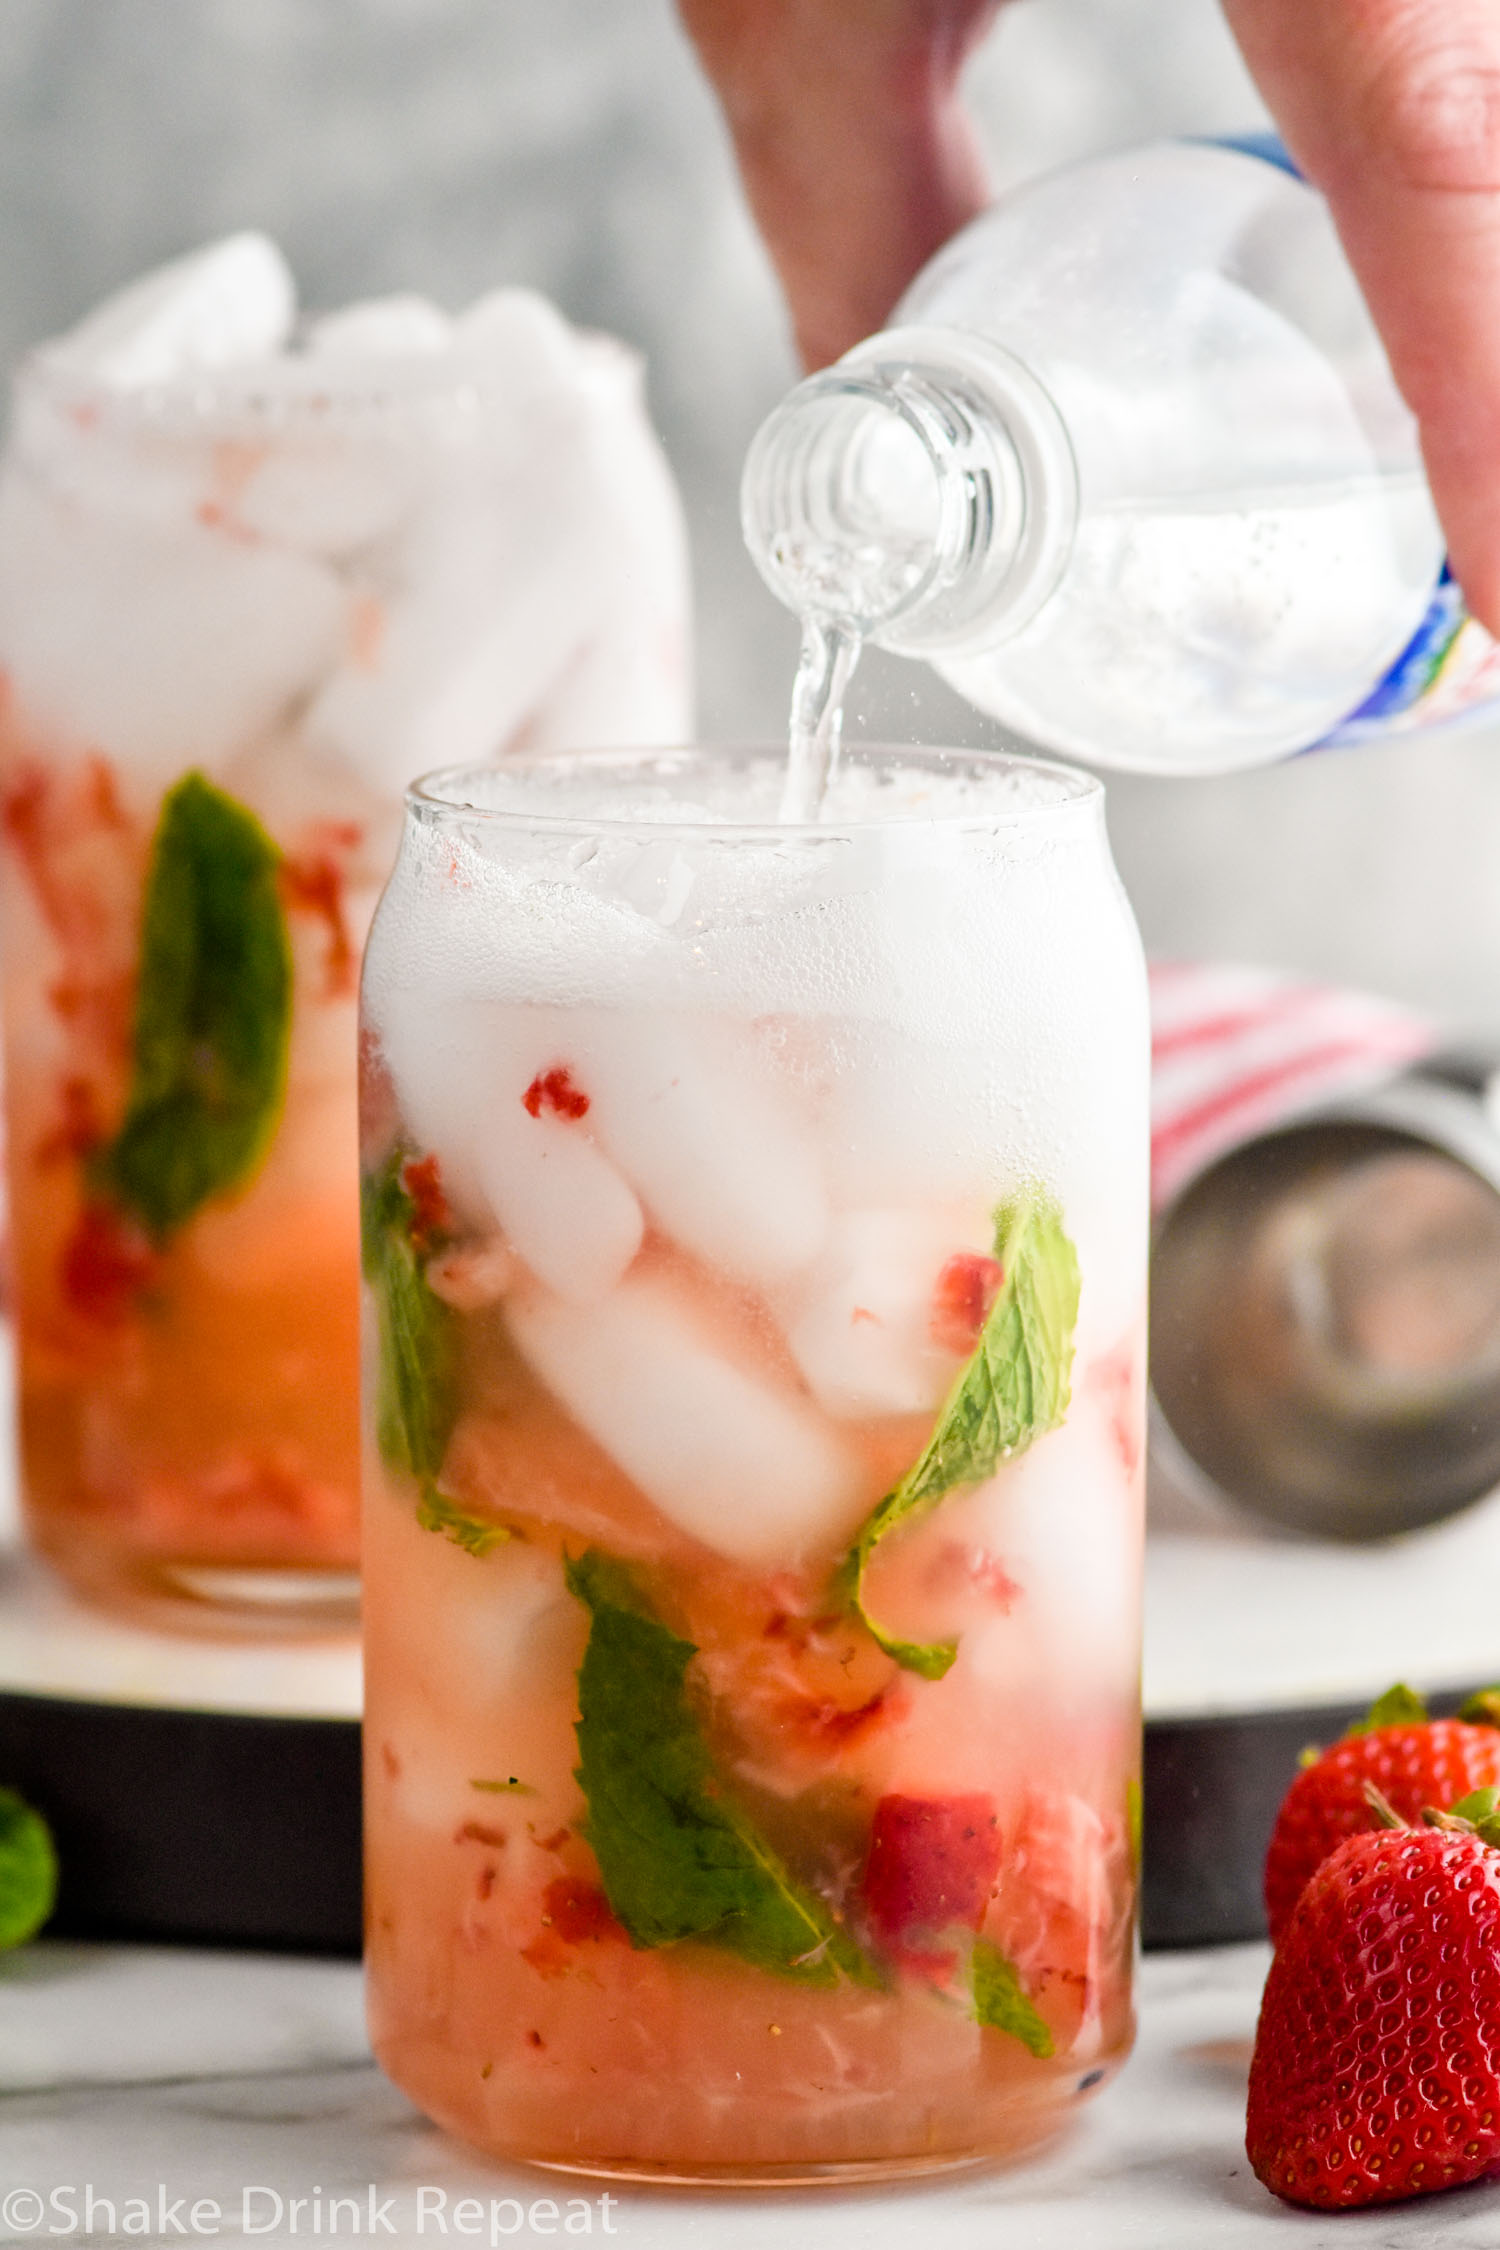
1065, 1520
488, 594
860, 1325
540, 596
520, 339
748, 1468
562, 1205
462, 1076
708, 1142
165, 647
332, 493
232, 302
380, 328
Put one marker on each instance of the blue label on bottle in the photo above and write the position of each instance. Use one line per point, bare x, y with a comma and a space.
1269, 147
1450, 668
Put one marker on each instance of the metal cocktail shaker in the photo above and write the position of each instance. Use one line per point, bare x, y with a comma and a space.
1325, 1329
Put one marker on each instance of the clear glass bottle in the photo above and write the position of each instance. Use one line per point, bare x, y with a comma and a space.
1130, 470
755, 1240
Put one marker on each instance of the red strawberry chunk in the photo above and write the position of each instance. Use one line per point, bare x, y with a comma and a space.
961, 1299
1376, 2071
106, 1263
932, 1866
1430, 1762
554, 1091
430, 1215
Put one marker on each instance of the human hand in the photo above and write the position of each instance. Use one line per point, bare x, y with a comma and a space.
859, 163
1392, 109
856, 154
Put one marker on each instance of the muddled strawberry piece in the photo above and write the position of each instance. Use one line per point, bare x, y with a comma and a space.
578, 1911
574, 1912
313, 883
430, 1214
1114, 1378
480, 1832
106, 1263
961, 1299
554, 1091
933, 1863
960, 1568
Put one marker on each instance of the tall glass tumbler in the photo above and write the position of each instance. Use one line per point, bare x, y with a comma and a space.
755, 1252
238, 608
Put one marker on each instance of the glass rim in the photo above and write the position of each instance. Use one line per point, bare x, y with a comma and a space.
1081, 793
286, 392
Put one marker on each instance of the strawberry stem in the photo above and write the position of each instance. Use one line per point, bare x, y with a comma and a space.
1381, 1806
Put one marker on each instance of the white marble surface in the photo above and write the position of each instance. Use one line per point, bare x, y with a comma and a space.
141, 2070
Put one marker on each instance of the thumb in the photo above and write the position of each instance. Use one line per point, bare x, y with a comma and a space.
1392, 109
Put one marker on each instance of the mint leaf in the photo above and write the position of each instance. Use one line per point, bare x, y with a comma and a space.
1400, 1706
28, 1870
1012, 1390
416, 1386
213, 1011
475, 1534
1001, 2004
510, 1787
677, 1857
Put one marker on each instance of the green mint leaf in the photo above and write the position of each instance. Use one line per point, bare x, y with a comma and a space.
1000, 2002
416, 1387
678, 1858
1400, 1706
213, 1012
1011, 1391
475, 1534
28, 1870
508, 1788
1482, 1709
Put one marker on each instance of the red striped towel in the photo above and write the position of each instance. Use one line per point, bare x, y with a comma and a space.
1235, 1051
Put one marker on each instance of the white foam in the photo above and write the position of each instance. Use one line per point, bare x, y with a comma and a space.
746, 1467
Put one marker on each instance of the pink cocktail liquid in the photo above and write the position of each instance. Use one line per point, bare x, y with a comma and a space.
675, 1270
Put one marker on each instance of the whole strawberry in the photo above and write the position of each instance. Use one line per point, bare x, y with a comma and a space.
1376, 2071
1412, 1760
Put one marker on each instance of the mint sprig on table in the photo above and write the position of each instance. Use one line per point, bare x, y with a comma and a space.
28, 1870
416, 1388
678, 1858
213, 1013
1012, 1390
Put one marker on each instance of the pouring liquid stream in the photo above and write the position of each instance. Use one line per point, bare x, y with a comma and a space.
824, 670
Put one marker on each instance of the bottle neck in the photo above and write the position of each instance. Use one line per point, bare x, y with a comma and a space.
920, 494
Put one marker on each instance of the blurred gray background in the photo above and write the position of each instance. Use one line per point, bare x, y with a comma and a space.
450, 145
